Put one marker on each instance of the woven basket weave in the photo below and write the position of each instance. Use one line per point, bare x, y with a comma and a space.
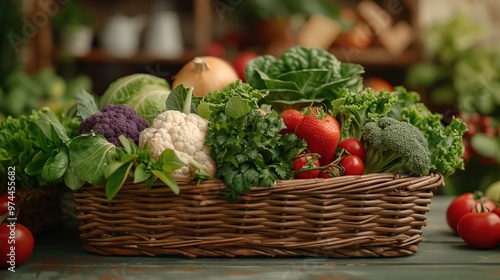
373, 215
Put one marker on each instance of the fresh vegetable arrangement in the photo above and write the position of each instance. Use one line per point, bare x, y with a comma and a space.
240, 133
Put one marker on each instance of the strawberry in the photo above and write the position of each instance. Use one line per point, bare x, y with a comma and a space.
321, 132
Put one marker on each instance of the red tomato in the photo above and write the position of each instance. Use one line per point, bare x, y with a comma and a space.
354, 147
7, 202
353, 165
16, 244
241, 61
463, 204
291, 117
305, 162
480, 230
496, 211
321, 132
329, 172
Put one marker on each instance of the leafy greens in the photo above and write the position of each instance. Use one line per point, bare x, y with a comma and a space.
245, 143
302, 75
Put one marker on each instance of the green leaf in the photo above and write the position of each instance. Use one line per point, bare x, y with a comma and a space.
86, 105
236, 107
56, 166
130, 146
303, 73
204, 110
116, 180
169, 161
4, 155
113, 167
182, 99
89, 156
48, 121
71, 181
141, 173
128, 158
35, 166
485, 145
167, 179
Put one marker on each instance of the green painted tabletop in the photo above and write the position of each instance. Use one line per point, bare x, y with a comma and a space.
441, 255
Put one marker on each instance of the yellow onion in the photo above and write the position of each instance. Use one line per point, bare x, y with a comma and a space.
205, 74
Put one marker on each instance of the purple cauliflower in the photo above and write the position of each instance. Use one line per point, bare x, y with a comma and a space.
113, 121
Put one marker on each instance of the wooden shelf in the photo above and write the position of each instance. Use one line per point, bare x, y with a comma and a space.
142, 57
375, 56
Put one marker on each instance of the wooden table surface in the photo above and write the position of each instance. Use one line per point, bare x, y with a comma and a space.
441, 255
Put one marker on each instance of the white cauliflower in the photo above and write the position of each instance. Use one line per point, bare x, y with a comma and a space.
184, 134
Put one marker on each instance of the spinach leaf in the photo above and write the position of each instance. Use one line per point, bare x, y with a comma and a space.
55, 166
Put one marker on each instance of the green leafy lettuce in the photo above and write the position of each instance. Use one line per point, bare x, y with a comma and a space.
302, 75
354, 110
444, 141
245, 143
36, 145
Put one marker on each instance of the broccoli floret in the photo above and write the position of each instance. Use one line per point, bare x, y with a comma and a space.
113, 121
396, 147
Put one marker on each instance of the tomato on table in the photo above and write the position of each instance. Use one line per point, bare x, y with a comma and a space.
16, 244
480, 230
463, 204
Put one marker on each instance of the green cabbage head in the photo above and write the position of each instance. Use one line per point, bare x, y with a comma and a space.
145, 93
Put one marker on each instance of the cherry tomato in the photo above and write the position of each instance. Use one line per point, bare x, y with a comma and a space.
303, 162
291, 117
354, 147
16, 244
353, 165
7, 202
329, 172
480, 230
463, 204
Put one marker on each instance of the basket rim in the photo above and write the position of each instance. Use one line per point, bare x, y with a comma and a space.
350, 184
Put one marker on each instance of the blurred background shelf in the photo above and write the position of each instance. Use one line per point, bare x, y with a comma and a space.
376, 56
101, 56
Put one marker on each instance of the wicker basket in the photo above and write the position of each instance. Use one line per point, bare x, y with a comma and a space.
42, 208
374, 215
